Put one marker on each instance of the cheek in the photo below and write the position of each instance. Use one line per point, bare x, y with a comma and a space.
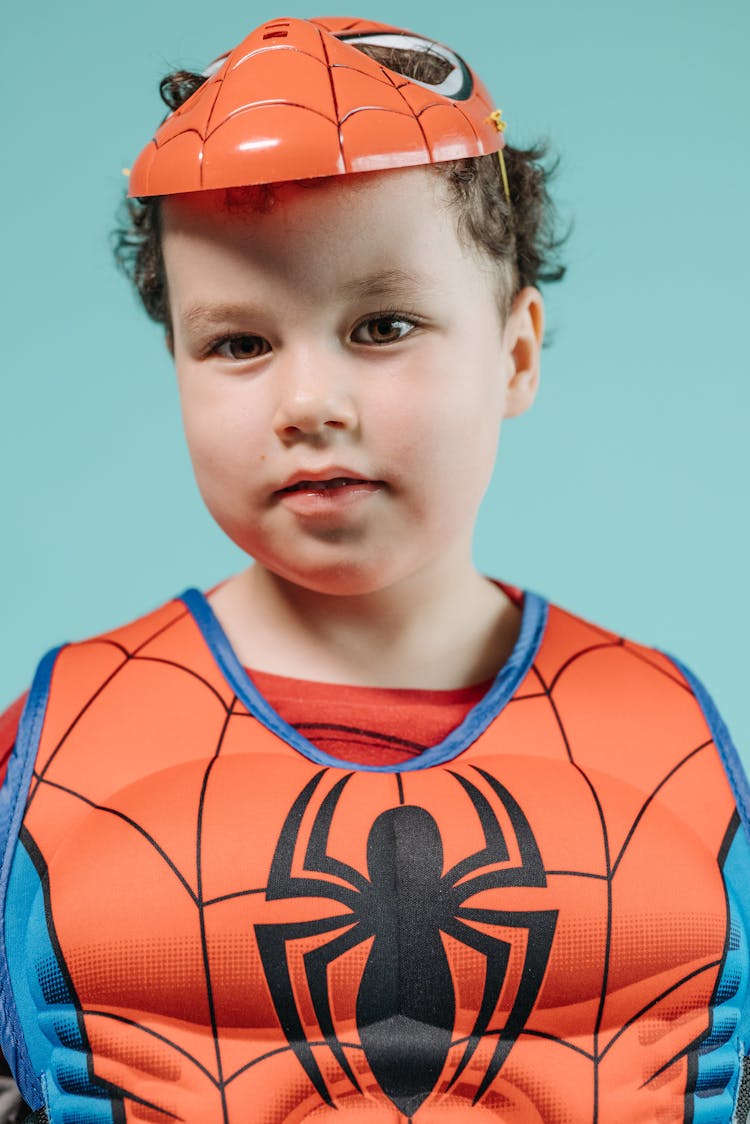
464, 449
444, 461
454, 427
203, 446
216, 466
218, 430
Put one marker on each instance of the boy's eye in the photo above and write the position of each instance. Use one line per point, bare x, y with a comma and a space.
383, 329
242, 347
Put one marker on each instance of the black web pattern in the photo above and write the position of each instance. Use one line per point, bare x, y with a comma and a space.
391, 81
533, 687
613, 860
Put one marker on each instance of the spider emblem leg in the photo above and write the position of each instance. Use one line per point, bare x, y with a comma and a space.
406, 1003
272, 939
539, 924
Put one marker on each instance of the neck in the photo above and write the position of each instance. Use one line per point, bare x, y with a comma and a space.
431, 631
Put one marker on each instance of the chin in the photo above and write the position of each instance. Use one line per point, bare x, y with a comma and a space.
329, 568
346, 583
340, 579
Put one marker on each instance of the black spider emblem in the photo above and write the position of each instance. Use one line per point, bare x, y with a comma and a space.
405, 1008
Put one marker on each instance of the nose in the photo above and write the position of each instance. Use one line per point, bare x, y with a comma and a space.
314, 397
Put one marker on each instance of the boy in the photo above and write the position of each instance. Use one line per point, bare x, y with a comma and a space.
362, 833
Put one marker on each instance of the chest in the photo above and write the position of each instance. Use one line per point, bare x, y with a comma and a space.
474, 918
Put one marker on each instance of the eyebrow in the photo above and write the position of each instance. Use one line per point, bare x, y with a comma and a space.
381, 282
199, 315
387, 281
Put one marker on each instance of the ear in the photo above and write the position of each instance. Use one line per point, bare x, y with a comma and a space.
522, 339
169, 341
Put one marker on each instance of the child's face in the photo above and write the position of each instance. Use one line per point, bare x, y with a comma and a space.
346, 334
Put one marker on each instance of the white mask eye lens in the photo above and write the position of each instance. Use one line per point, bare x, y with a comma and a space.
457, 85
213, 67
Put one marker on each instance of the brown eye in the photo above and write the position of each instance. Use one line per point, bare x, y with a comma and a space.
383, 329
242, 347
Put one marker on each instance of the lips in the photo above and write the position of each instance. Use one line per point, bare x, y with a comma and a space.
324, 485
335, 493
323, 480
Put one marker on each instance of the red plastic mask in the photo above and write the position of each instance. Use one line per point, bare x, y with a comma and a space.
296, 99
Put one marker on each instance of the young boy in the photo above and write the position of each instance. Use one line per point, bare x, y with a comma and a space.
363, 834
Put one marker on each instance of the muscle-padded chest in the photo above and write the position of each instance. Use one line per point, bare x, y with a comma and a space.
530, 931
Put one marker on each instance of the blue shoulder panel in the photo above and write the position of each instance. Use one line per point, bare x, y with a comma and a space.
46, 1006
728, 1040
723, 740
726, 1044
12, 804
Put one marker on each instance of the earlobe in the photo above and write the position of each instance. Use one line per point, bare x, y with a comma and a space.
524, 332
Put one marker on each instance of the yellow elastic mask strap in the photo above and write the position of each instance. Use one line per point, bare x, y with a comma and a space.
496, 119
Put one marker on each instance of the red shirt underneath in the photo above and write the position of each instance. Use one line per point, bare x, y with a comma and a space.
368, 725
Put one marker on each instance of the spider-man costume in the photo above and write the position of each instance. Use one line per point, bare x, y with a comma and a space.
297, 99
543, 918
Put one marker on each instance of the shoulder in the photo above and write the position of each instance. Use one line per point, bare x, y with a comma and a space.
646, 699
612, 664
571, 638
123, 640
77, 669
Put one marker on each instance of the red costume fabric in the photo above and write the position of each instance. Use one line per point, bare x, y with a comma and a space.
208, 918
369, 725
9, 720
296, 99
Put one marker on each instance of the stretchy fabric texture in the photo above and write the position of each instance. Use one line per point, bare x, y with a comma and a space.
542, 918
369, 725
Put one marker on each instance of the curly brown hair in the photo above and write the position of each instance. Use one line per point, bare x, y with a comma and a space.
519, 236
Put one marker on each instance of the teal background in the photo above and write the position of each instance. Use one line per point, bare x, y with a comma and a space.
622, 495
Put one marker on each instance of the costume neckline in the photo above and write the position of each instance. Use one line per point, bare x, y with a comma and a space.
324, 688
509, 677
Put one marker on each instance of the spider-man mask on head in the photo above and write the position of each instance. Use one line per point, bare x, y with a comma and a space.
297, 99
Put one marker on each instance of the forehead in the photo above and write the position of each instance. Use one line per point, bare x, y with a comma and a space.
395, 220
319, 204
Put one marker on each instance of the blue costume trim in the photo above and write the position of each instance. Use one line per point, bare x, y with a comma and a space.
34, 989
722, 1051
12, 805
533, 623
46, 1005
726, 748
728, 1040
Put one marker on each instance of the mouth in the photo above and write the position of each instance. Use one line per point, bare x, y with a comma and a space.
329, 497
326, 485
